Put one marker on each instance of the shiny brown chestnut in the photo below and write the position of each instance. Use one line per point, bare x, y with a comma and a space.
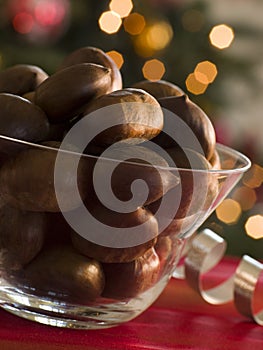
168, 249
160, 88
128, 280
64, 93
194, 185
21, 119
27, 180
136, 113
140, 164
21, 78
67, 274
95, 55
215, 161
121, 221
22, 233
30, 96
194, 117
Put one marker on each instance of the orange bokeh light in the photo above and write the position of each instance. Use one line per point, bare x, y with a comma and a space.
229, 211
153, 70
159, 35
246, 197
194, 86
254, 177
117, 58
205, 72
254, 226
134, 24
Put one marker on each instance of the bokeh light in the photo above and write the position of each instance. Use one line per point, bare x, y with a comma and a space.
121, 7
254, 177
49, 12
40, 21
221, 36
153, 70
23, 22
229, 211
194, 86
141, 46
254, 226
205, 72
159, 35
193, 20
110, 22
134, 24
246, 197
117, 58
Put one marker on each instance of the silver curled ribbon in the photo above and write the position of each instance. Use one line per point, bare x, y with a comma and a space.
204, 252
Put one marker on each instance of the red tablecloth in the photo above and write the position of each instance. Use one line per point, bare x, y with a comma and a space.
179, 319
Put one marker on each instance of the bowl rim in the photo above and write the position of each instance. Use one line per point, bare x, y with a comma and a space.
245, 161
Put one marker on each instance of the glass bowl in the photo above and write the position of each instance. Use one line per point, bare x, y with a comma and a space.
74, 253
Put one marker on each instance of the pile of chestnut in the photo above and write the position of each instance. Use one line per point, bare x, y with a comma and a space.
38, 248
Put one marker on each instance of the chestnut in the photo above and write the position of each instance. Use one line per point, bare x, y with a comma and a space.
215, 161
21, 119
30, 96
21, 78
64, 93
118, 220
137, 115
58, 131
89, 54
141, 164
160, 88
27, 180
62, 271
163, 248
194, 185
194, 117
212, 191
168, 250
22, 233
127, 280
9, 265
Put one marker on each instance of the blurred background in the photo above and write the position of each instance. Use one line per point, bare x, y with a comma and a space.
212, 49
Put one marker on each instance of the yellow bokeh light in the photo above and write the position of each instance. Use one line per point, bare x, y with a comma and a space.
194, 86
159, 35
193, 20
254, 226
110, 22
134, 24
153, 70
246, 197
254, 177
141, 47
121, 7
229, 211
117, 58
221, 36
205, 72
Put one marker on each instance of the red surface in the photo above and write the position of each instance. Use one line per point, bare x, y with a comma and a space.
179, 319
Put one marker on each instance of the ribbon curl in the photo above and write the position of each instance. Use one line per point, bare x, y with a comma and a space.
203, 253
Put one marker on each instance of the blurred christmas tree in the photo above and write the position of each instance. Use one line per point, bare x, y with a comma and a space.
170, 39
176, 33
